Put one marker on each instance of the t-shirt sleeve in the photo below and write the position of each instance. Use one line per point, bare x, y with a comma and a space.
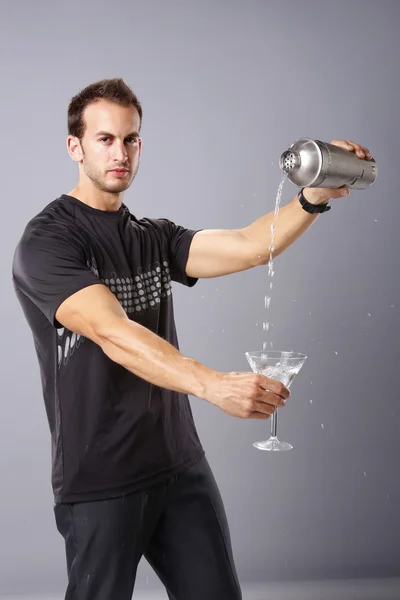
178, 245
48, 267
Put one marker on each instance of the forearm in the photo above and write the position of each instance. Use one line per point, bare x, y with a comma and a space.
152, 358
292, 221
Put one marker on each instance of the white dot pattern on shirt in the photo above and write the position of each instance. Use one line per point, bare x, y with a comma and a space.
135, 294
71, 341
144, 291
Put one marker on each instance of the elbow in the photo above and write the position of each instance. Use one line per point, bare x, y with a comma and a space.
263, 259
109, 331
258, 257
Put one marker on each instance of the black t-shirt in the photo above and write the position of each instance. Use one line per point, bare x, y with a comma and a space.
112, 432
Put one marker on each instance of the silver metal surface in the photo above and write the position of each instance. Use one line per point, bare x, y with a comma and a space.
312, 163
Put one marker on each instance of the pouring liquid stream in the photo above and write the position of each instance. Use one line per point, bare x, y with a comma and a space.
267, 299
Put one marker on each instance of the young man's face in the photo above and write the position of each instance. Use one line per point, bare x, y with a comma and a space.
111, 141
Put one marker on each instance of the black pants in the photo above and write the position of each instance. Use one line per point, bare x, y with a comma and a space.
178, 525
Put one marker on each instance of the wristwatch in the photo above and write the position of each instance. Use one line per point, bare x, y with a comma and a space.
311, 208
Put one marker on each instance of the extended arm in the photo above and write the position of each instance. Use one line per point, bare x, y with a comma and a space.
215, 252
95, 313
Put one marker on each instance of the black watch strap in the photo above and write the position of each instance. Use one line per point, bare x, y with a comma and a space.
311, 208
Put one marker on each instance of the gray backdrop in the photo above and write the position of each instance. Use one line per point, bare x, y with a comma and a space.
226, 86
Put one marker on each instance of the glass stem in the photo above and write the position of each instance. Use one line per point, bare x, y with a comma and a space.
274, 423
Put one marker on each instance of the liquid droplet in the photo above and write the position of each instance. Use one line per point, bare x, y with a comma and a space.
322, 425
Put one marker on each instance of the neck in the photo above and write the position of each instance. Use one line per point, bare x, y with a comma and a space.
97, 198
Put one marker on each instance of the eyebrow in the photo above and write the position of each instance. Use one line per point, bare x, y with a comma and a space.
106, 133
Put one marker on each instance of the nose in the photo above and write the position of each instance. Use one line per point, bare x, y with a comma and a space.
120, 154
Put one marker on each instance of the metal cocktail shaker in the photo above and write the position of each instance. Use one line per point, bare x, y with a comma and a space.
311, 163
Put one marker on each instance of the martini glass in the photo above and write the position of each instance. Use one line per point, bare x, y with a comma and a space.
283, 366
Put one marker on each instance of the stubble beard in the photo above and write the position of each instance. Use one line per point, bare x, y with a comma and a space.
99, 180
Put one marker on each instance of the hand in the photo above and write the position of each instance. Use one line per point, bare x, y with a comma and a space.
246, 395
323, 195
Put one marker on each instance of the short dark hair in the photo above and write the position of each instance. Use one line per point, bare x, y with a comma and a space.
114, 90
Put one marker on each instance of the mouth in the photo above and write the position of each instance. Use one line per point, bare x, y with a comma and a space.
119, 172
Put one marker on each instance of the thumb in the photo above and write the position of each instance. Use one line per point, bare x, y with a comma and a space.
340, 192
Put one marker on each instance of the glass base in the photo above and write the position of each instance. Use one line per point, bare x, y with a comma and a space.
273, 445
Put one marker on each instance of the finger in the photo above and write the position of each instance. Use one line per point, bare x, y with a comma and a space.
266, 408
365, 150
349, 144
343, 144
339, 192
273, 385
259, 415
361, 151
274, 400
353, 147
268, 399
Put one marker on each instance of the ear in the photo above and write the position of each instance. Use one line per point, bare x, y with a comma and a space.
74, 148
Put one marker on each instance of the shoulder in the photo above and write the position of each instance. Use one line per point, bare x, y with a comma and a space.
155, 228
54, 222
149, 222
160, 225
47, 238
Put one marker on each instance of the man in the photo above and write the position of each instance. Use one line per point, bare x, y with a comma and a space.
129, 474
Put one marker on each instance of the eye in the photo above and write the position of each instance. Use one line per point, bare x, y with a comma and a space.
132, 140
